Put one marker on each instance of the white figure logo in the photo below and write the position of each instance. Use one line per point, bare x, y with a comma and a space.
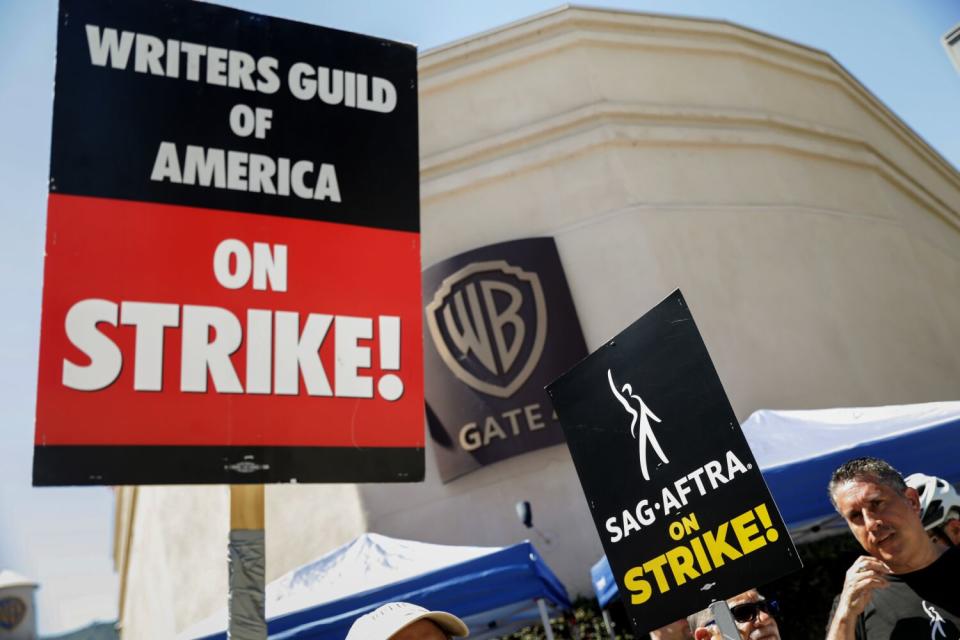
936, 621
645, 433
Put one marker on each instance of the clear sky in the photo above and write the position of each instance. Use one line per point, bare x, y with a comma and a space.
63, 537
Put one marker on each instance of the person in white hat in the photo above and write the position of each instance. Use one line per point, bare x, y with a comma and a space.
405, 621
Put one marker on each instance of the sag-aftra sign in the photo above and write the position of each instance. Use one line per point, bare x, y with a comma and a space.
232, 274
682, 510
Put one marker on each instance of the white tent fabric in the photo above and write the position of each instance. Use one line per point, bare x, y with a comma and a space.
9, 579
798, 451
367, 562
493, 589
787, 437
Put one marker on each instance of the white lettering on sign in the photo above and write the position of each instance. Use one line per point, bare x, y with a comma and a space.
106, 361
171, 58
242, 171
200, 354
150, 321
118, 50
390, 385
210, 336
474, 435
297, 353
245, 120
631, 520
224, 67
280, 352
673, 497
336, 86
351, 357
233, 264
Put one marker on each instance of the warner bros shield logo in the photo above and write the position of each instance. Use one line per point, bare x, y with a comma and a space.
12, 612
488, 322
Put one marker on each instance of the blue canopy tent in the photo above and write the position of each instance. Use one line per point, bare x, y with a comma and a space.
601, 576
798, 451
494, 590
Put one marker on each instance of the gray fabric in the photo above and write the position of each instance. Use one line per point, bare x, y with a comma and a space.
247, 563
724, 620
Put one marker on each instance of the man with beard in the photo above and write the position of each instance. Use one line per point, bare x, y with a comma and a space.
907, 586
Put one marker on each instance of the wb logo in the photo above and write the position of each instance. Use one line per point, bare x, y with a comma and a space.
12, 611
488, 322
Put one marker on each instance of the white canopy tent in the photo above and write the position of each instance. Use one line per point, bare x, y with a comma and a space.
799, 450
495, 590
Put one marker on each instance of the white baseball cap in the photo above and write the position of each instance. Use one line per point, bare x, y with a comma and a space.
385, 621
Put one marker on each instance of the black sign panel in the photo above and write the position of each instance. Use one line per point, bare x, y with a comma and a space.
139, 73
682, 510
500, 324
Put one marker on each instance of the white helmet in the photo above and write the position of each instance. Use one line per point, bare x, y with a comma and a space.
939, 501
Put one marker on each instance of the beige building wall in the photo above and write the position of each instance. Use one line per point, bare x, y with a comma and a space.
815, 237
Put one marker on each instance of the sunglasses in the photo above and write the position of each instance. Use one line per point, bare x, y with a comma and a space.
750, 611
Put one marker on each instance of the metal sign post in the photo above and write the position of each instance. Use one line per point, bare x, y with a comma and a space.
545, 618
720, 611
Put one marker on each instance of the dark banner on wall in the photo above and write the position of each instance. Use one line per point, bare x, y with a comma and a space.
682, 510
232, 274
500, 324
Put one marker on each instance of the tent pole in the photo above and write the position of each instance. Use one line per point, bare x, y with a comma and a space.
608, 623
542, 605
247, 562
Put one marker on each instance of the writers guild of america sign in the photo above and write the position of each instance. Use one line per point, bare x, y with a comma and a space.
240, 149
499, 323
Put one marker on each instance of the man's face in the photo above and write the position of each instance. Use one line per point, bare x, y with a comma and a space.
420, 630
886, 524
761, 627
764, 626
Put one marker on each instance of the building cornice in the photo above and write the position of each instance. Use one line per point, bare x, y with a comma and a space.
566, 27
607, 124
